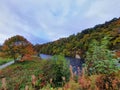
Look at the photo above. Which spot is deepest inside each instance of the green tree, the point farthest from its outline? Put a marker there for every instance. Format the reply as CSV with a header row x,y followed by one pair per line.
x,y
81,40
17,46
100,60
56,68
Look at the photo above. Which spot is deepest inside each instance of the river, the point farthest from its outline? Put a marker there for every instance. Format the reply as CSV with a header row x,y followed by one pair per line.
x,y
73,61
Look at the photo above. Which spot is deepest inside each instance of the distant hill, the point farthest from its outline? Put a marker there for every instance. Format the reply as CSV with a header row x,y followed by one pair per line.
x,y
79,43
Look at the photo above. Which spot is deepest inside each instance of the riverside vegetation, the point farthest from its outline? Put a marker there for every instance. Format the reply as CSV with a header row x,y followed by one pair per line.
x,y
4,60
100,71
79,43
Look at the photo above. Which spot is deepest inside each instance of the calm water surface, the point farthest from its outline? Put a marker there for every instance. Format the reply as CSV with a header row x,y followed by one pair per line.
x,y
73,61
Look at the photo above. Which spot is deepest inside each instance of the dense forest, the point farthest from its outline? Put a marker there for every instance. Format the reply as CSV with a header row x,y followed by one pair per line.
x,y
79,43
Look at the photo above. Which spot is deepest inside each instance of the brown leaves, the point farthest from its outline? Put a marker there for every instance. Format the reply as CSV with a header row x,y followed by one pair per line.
x,y
33,80
71,72
118,53
104,82
26,87
17,46
4,84
84,81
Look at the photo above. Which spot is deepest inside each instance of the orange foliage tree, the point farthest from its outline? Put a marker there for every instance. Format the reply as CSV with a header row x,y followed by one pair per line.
x,y
17,46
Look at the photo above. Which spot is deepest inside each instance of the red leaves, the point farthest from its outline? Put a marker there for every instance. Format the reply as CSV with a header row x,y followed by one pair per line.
x,y
118,53
26,57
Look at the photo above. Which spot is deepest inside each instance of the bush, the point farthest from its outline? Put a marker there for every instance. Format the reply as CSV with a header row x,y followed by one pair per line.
x,y
108,82
100,60
57,70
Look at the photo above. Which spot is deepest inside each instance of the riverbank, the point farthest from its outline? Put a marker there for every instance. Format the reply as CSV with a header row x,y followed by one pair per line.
x,y
42,71
6,64
4,60
20,75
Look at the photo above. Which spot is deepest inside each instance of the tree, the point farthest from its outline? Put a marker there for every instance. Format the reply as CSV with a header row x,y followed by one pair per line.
x,y
17,46
81,40
56,68
0,48
100,60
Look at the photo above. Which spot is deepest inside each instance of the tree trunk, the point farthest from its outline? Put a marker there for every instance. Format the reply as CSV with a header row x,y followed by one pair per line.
x,y
15,59
22,56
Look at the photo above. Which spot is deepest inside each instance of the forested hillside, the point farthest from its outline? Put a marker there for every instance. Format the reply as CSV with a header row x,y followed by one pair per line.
x,y
79,43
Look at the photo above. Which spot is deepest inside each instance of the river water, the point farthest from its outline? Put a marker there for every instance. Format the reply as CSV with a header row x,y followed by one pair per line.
x,y
73,61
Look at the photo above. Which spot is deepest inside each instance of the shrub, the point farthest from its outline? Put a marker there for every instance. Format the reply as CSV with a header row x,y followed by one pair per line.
x,y
108,82
56,68
100,60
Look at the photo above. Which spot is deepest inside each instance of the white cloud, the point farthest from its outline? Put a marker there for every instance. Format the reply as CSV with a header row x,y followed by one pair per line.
x,y
52,19
104,9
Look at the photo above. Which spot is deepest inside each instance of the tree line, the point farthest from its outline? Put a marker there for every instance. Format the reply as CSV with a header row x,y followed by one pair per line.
x,y
79,43
18,46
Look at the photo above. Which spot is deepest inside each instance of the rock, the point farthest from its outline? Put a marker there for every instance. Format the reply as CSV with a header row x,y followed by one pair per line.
x,y
77,56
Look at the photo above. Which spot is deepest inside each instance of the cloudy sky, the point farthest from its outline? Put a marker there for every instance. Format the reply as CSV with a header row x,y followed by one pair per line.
x,y
41,21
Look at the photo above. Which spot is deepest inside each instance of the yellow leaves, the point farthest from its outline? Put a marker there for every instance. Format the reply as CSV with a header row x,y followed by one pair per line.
x,y
117,40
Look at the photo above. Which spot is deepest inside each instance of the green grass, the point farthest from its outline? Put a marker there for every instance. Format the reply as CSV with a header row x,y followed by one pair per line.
x,y
20,73
4,60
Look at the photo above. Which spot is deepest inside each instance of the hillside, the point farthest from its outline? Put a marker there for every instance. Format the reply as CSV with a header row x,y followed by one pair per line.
x,y
79,43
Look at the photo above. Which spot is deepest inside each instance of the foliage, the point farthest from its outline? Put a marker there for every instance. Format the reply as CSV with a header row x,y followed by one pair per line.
x,y
45,70
20,73
4,60
118,53
0,48
100,60
17,46
79,42
108,82
56,68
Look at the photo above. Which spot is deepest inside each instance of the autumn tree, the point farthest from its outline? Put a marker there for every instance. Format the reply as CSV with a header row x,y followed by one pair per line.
x,y
17,46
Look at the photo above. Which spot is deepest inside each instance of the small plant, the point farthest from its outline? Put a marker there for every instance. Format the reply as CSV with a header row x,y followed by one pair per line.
x,y
34,80
84,81
54,71
4,84
71,72
107,82
26,87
